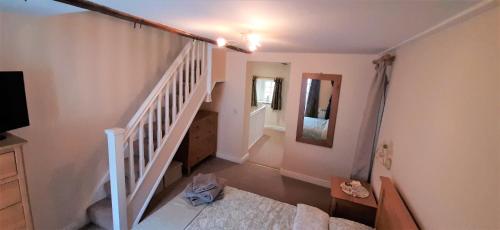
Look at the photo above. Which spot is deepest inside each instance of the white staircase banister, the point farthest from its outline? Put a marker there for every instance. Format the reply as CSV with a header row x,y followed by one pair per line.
x,y
117,177
157,90
164,116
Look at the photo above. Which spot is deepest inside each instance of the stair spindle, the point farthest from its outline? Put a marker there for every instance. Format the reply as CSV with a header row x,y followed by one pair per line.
x,y
131,162
167,108
158,122
141,148
203,57
181,88
187,73
198,62
191,73
150,135
174,100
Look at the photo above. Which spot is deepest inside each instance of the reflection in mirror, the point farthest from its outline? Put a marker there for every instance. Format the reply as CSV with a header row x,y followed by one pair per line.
x,y
317,115
316,110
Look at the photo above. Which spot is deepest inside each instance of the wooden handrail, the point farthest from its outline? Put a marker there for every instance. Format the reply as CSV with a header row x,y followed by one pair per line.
x,y
141,21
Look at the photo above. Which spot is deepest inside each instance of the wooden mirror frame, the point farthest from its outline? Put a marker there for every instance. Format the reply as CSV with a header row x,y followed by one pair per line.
x,y
337,79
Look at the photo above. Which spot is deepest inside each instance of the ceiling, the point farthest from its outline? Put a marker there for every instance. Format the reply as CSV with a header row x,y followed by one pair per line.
x,y
327,26
37,7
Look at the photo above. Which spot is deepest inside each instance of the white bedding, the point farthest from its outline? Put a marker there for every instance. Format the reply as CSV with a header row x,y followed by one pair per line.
x,y
343,224
240,210
315,128
310,218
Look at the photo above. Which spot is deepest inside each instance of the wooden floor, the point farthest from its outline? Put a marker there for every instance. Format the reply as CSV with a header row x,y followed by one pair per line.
x,y
254,178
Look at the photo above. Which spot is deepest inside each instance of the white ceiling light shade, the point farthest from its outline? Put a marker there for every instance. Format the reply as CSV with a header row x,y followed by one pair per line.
x,y
221,42
252,47
254,39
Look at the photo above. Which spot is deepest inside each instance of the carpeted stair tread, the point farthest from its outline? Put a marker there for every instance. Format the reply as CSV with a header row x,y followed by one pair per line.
x,y
100,213
107,185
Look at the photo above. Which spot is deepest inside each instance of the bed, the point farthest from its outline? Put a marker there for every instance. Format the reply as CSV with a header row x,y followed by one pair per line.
x,y
315,128
244,210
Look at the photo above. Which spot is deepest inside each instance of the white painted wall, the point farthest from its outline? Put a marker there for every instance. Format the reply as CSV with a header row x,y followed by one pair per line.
x,y
84,72
218,64
357,73
233,105
442,118
228,98
274,118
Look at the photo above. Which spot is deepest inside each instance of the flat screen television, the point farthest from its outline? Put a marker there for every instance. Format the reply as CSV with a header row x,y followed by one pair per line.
x,y
14,111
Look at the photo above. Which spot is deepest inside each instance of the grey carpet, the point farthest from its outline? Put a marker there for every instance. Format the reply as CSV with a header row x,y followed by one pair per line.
x,y
254,178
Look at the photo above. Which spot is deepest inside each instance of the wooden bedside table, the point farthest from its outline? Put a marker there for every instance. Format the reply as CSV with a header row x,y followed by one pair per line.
x,y
362,210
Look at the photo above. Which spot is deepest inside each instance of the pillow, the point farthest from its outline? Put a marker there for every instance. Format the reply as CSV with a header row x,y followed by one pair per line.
x,y
310,218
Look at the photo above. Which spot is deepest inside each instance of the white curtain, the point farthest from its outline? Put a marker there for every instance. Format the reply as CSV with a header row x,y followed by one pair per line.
x,y
372,117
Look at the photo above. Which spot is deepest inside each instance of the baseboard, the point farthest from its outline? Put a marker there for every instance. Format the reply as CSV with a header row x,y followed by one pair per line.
x,y
233,158
305,178
275,127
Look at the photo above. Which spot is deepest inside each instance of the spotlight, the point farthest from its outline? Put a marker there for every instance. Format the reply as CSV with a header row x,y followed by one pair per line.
x,y
221,42
252,47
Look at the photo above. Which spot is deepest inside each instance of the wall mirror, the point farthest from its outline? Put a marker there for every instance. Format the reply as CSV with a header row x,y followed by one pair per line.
x,y
319,100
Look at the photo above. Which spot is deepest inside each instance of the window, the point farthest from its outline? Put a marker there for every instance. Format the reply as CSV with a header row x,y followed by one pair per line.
x,y
265,89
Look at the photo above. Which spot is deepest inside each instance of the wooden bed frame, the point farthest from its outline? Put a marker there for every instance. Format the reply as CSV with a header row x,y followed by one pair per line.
x,y
392,213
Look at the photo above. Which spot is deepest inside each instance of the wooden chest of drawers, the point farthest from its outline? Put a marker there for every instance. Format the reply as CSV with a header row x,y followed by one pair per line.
x,y
200,141
14,204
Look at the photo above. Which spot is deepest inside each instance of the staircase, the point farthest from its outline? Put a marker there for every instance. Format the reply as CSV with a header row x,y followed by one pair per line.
x,y
140,153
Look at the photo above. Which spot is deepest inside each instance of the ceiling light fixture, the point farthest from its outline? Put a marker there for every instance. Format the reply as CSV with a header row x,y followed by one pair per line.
x,y
252,47
252,40
221,42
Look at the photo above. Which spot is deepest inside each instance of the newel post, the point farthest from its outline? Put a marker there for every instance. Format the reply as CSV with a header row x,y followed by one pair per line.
x,y
209,73
116,160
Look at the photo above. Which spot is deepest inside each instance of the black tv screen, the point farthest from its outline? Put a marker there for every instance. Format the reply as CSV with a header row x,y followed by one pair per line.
x,y
14,111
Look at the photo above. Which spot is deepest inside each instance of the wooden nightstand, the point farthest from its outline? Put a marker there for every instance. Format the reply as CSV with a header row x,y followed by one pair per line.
x,y
362,210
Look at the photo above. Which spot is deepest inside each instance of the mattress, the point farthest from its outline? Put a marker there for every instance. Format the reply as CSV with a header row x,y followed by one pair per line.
x,y
237,210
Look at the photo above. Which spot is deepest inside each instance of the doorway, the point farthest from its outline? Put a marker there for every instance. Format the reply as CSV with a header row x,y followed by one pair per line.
x,y
266,137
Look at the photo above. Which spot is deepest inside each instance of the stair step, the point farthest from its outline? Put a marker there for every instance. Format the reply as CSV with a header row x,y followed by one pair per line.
x,y
91,226
100,213
107,185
